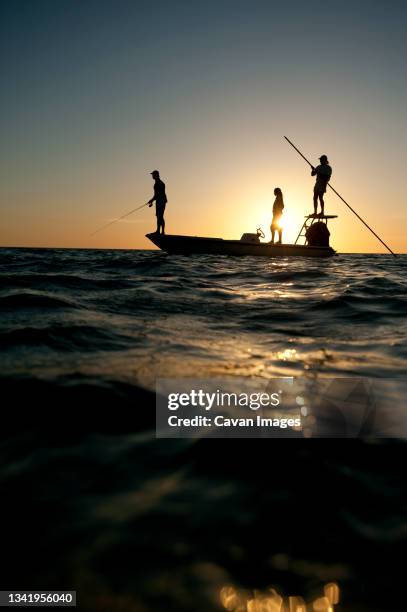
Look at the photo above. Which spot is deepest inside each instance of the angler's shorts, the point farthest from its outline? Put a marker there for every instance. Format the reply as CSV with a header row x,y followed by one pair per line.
x,y
320,188
159,211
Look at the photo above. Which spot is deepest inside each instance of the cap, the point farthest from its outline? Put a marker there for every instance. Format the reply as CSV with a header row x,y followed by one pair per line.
x,y
323,158
154,173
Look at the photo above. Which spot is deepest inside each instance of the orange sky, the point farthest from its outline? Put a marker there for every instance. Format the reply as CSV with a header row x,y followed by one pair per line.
x,y
235,195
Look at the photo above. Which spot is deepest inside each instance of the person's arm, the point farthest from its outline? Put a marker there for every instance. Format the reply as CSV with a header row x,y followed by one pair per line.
x,y
154,196
313,171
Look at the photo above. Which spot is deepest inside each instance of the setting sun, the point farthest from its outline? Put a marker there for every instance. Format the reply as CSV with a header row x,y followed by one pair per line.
x,y
290,221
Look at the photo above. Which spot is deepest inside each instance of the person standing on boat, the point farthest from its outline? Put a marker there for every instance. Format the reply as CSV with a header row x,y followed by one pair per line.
x,y
323,173
277,212
160,199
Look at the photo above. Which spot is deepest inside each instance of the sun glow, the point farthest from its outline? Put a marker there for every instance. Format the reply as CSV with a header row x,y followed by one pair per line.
x,y
290,223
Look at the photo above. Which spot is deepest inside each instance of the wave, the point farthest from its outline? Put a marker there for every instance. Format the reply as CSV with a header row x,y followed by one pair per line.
x,y
62,281
69,337
84,301
27,300
359,306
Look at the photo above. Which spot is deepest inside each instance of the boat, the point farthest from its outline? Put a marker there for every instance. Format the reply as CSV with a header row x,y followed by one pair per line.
x,y
314,230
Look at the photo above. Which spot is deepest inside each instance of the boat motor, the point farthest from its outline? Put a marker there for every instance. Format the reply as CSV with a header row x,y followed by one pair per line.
x,y
318,234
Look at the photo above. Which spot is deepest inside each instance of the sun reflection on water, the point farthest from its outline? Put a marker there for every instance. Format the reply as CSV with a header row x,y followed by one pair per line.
x,y
270,601
287,355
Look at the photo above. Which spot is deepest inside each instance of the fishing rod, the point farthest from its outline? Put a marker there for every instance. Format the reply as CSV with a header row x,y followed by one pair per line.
x,y
119,218
344,201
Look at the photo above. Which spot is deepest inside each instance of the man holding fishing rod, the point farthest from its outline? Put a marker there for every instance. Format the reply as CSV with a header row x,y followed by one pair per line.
x,y
160,201
323,173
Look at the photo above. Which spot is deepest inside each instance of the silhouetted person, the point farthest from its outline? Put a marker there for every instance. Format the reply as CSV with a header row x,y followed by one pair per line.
x,y
160,201
323,173
277,212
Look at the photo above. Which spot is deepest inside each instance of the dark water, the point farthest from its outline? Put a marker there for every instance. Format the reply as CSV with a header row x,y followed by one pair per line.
x,y
92,501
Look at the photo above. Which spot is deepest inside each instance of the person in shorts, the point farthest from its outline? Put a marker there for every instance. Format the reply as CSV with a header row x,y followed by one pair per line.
x,y
160,200
323,172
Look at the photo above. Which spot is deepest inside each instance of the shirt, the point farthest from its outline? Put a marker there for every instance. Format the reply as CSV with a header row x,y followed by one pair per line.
x,y
278,206
159,192
324,173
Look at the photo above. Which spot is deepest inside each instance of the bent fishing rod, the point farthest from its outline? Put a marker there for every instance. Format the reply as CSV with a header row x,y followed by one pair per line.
x,y
344,201
119,218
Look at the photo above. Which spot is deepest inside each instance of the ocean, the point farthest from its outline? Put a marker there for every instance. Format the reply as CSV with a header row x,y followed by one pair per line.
x,y
92,501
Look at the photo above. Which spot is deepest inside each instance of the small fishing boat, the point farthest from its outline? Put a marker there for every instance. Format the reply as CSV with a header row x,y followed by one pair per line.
x,y
314,230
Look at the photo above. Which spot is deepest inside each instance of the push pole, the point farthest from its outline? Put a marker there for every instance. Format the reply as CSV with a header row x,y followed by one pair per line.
x,y
344,201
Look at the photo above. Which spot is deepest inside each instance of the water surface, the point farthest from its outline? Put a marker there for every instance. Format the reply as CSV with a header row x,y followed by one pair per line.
x,y
98,504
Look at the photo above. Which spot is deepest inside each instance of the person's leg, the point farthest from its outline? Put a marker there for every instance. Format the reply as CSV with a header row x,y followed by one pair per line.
x,y
273,230
161,218
272,235
159,213
280,236
321,199
315,202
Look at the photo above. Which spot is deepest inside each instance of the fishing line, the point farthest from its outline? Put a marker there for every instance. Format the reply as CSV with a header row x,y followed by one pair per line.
x,y
119,218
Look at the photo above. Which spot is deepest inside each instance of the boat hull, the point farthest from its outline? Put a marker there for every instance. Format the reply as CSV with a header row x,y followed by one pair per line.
x,y
190,245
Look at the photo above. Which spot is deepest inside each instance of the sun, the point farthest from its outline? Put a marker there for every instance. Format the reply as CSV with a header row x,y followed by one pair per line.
x,y
289,223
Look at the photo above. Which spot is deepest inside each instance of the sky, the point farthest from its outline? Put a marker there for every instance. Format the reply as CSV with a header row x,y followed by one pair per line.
x,y
96,94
